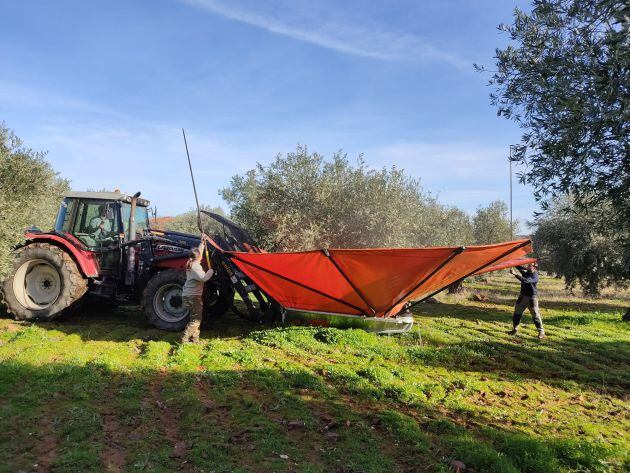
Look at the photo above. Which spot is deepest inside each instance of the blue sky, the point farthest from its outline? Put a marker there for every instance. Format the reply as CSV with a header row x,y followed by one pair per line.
x,y
106,87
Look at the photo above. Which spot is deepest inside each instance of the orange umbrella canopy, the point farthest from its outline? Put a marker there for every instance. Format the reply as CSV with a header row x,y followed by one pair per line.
x,y
371,282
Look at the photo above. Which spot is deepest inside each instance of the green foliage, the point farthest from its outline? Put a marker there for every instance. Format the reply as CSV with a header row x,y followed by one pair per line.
x,y
564,79
582,455
188,221
576,246
491,224
30,192
300,201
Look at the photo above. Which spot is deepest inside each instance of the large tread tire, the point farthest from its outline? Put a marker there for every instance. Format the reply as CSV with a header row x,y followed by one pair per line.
x,y
153,302
218,299
73,285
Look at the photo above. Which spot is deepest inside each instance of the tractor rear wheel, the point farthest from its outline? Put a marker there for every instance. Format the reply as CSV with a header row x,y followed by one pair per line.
x,y
218,298
43,282
163,304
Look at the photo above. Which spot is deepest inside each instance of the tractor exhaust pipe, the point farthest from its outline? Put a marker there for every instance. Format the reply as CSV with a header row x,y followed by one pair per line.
x,y
132,217
131,250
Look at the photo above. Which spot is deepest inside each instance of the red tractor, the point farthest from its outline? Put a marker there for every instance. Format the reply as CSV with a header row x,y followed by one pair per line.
x,y
102,246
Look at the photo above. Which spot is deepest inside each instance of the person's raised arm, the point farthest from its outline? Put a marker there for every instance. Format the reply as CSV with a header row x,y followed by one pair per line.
x,y
530,279
196,272
208,275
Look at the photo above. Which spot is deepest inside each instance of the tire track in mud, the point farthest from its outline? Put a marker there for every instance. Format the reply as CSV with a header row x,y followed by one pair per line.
x,y
114,454
46,449
169,417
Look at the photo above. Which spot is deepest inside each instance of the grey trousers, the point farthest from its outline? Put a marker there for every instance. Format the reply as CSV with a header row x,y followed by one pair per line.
x,y
527,302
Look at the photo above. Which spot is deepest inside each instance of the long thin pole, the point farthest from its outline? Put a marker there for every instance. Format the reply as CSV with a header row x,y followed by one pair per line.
x,y
192,177
511,222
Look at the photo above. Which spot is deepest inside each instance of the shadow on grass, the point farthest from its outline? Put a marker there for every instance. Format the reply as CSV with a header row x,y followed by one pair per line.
x,y
569,306
463,312
244,419
124,323
508,297
598,365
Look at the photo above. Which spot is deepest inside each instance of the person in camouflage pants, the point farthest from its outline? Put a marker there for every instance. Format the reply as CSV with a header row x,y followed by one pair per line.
x,y
192,292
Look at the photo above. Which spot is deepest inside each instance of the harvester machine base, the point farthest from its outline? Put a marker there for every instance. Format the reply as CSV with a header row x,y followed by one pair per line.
x,y
383,325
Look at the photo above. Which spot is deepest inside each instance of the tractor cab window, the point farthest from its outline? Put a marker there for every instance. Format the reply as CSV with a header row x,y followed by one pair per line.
x,y
141,217
96,223
64,217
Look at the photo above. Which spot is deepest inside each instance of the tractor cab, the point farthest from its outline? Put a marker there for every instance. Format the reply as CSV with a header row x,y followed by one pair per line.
x,y
101,221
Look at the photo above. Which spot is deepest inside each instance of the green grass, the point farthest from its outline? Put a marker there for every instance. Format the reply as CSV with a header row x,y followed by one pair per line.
x,y
102,392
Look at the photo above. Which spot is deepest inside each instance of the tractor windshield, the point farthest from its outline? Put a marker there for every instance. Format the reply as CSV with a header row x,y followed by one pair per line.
x,y
142,218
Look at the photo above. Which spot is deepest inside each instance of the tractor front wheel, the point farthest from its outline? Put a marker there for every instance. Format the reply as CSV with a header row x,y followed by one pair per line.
x,y
43,282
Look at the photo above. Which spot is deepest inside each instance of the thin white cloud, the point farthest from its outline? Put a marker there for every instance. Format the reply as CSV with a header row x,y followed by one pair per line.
x,y
336,35
12,93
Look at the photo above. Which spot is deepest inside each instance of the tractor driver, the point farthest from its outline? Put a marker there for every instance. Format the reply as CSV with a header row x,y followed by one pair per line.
x,y
102,225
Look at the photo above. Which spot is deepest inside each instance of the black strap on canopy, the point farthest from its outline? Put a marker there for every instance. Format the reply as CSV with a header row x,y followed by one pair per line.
x,y
483,266
356,289
304,286
455,252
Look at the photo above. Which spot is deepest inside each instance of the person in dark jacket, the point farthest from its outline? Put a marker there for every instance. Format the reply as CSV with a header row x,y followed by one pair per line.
x,y
528,298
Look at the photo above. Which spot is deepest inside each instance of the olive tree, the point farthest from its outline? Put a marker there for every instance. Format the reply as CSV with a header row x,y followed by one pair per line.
x,y
565,79
301,201
188,222
491,224
30,192
574,245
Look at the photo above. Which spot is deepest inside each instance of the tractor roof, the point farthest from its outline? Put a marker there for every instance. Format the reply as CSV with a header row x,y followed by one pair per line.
x,y
116,196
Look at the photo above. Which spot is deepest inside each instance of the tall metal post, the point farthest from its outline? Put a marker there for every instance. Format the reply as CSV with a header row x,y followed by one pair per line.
x,y
511,221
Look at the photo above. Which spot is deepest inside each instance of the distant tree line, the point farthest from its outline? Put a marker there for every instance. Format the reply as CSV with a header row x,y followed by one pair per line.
x,y
188,222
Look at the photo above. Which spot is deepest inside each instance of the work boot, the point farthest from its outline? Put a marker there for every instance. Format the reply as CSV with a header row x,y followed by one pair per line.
x,y
541,334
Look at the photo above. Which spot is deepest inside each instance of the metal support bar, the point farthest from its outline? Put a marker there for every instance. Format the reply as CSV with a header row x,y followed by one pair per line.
x,y
356,289
483,266
455,252
233,255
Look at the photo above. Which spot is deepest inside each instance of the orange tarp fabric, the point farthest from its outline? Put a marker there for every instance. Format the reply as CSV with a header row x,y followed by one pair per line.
x,y
372,282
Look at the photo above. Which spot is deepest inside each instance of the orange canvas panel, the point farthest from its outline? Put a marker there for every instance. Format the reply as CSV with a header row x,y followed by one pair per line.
x,y
284,276
385,276
370,281
507,264
472,260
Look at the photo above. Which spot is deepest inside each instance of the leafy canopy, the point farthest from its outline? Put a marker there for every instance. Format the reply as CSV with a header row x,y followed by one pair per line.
x,y
300,201
565,78
491,224
30,192
576,246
